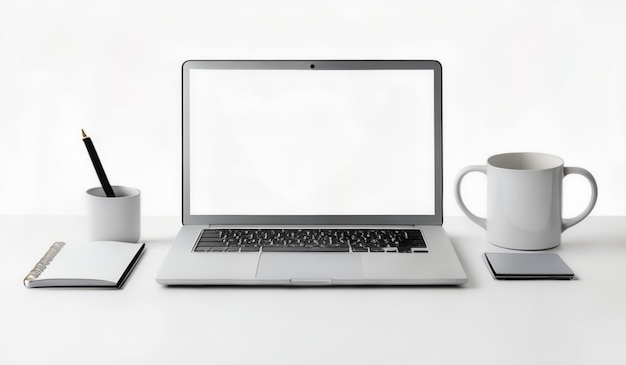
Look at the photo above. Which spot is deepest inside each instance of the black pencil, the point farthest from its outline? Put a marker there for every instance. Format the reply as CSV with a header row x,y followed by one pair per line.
x,y
108,190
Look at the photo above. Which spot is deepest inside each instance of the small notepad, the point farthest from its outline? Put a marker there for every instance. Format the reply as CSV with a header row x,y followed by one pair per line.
x,y
506,265
105,264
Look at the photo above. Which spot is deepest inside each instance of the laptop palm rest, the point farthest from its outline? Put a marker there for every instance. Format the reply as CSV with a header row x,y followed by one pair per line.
x,y
309,268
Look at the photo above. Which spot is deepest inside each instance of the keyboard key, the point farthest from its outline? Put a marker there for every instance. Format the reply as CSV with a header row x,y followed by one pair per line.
x,y
210,244
250,249
359,249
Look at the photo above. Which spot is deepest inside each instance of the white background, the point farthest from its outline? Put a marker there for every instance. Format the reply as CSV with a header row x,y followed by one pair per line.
x,y
545,76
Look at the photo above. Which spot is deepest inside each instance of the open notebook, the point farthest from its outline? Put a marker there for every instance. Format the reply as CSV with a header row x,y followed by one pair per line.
x,y
89,264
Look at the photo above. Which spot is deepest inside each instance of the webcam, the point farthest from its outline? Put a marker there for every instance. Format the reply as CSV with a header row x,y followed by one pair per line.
x,y
312,66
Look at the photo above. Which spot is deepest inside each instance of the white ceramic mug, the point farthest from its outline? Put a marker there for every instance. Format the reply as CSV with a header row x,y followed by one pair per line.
x,y
524,200
114,219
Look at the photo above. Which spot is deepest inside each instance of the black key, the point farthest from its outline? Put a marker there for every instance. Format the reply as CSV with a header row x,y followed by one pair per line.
x,y
413,243
359,249
209,241
210,244
210,238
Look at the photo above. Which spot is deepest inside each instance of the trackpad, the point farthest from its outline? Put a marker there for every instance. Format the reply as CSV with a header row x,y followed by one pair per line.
x,y
319,265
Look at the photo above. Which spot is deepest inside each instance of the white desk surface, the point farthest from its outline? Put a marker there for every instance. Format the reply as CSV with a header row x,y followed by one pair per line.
x,y
485,322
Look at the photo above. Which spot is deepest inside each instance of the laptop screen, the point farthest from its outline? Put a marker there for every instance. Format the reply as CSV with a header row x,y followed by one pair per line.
x,y
294,141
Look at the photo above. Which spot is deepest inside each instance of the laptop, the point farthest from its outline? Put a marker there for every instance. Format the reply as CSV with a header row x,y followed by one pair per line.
x,y
311,173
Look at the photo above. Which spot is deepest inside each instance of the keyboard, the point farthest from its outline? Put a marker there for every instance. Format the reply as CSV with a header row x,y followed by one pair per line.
x,y
311,240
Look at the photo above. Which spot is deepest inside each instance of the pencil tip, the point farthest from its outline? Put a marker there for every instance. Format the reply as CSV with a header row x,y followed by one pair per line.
x,y
83,132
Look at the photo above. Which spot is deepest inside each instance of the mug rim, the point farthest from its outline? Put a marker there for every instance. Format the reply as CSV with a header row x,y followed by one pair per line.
x,y
525,161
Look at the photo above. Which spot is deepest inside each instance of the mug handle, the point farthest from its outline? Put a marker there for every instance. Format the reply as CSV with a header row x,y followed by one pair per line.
x,y
457,193
567,223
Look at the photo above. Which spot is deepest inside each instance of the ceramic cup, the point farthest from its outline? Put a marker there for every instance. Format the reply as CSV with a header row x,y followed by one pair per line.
x,y
524,200
114,219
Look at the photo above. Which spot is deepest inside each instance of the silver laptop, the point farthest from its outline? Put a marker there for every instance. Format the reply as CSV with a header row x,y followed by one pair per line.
x,y
311,173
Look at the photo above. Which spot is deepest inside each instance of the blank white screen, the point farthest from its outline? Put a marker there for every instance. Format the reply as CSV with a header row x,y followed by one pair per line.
x,y
311,142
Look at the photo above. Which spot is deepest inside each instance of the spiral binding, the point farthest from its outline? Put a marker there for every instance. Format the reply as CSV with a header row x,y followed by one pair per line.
x,y
44,262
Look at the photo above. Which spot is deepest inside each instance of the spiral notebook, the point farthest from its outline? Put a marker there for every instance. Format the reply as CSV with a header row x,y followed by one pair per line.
x,y
98,264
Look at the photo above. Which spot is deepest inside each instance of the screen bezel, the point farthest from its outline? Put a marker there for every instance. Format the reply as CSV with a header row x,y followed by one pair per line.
x,y
313,65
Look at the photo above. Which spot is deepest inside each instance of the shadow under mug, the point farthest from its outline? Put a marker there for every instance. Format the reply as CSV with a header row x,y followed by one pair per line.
x,y
524,199
114,218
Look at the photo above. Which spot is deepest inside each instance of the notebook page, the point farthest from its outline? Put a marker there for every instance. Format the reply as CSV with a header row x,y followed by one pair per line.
x,y
100,260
